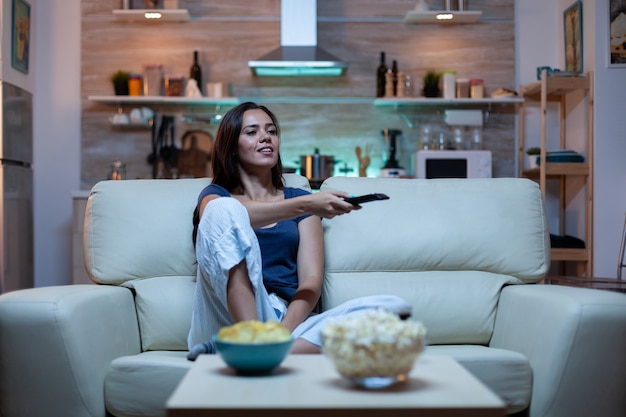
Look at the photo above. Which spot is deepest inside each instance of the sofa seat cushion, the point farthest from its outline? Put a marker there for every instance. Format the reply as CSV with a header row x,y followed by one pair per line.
x,y
139,385
457,307
507,373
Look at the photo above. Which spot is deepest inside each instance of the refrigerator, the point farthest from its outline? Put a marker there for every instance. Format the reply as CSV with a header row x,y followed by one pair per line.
x,y
16,189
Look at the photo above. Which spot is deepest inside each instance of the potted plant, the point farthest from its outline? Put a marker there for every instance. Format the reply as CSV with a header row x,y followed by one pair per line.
x,y
431,84
120,82
533,156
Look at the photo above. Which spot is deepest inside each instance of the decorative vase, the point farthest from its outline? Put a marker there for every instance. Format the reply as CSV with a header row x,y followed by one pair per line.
x,y
532,161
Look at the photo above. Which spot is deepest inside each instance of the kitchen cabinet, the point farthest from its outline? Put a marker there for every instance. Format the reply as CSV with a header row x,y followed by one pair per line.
x,y
572,177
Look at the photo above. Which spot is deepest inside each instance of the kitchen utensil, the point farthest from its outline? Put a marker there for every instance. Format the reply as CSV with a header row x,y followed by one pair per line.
x,y
164,154
392,168
317,167
195,154
364,161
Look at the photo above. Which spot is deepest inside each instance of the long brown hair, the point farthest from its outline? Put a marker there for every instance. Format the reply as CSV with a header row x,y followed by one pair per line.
x,y
225,158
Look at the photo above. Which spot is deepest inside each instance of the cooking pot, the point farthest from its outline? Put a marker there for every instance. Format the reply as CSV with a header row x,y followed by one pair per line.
x,y
317,167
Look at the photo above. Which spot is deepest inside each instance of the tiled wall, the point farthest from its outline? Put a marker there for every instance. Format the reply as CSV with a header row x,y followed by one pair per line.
x,y
229,33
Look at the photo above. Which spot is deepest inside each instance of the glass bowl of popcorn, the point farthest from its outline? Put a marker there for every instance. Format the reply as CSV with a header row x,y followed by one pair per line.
x,y
374,348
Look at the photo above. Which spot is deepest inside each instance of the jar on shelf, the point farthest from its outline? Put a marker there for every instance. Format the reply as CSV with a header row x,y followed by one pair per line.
x,y
152,80
462,88
174,85
459,138
449,84
134,84
477,139
477,88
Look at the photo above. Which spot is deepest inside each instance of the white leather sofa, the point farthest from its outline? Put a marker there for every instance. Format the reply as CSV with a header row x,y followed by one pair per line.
x,y
467,254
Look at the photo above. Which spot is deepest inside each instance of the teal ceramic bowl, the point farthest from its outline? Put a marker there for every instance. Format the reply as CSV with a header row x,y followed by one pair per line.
x,y
253,358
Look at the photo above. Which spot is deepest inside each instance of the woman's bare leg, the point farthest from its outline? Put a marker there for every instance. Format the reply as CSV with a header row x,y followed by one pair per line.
x,y
240,294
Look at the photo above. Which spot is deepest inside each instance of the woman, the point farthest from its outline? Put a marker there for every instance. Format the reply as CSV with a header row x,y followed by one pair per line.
x,y
259,245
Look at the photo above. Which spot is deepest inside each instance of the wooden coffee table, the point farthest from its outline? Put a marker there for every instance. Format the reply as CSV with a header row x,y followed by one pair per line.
x,y
308,385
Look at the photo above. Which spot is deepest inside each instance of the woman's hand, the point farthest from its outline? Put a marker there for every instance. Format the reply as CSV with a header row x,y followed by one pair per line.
x,y
328,204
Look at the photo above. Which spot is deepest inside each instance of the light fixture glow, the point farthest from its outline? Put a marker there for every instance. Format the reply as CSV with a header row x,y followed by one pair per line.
x,y
152,15
445,16
297,71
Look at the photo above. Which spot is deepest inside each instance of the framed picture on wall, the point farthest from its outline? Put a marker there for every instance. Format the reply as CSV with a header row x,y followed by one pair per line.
x,y
617,33
573,28
20,38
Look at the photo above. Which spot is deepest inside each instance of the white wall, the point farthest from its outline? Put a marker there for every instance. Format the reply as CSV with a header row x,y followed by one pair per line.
x,y
8,73
610,149
539,42
57,136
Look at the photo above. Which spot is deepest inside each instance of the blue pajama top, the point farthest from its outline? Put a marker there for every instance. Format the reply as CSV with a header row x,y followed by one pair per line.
x,y
279,246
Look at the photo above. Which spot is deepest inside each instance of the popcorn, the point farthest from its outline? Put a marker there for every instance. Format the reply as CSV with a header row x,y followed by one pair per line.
x,y
375,343
253,331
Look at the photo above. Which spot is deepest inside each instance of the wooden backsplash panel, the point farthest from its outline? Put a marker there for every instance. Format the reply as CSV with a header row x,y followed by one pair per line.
x,y
229,33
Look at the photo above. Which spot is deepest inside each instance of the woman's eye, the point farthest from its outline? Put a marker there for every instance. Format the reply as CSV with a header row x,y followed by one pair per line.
x,y
271,132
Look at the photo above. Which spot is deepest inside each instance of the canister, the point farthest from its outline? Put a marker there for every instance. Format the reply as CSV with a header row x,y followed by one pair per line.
x,y
174,85
152,79
134,84
462,88
477,88
449,84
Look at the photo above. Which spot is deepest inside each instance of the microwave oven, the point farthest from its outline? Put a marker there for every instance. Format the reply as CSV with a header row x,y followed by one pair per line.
x,y
453,164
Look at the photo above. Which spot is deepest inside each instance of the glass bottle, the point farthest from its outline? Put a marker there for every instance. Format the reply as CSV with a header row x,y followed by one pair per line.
x,y
394,72
477,139
380,76
195,73
459,144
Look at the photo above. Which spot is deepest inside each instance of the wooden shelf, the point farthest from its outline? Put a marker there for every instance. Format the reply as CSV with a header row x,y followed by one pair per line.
x,y
572,176
566,254
554,169
557,87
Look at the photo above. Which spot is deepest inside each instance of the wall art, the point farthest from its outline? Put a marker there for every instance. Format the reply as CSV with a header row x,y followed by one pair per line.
x,y
573,28
20,42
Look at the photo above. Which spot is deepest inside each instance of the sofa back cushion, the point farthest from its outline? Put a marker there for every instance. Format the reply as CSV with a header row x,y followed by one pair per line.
x,y
137,233
447,246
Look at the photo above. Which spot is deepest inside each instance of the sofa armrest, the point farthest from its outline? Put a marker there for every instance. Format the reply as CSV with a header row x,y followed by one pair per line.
x,y
56,344
576,343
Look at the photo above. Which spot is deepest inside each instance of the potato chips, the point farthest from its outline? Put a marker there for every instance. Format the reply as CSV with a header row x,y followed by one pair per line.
x,y
253,331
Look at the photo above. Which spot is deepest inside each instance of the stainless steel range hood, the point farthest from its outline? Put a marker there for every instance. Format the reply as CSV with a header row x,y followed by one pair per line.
x,y
298,54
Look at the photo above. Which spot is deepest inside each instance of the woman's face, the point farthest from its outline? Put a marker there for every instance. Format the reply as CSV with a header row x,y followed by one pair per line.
x,y
258,141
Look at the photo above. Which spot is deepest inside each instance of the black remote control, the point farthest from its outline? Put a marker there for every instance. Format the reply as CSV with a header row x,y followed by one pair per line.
x,y
366,198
